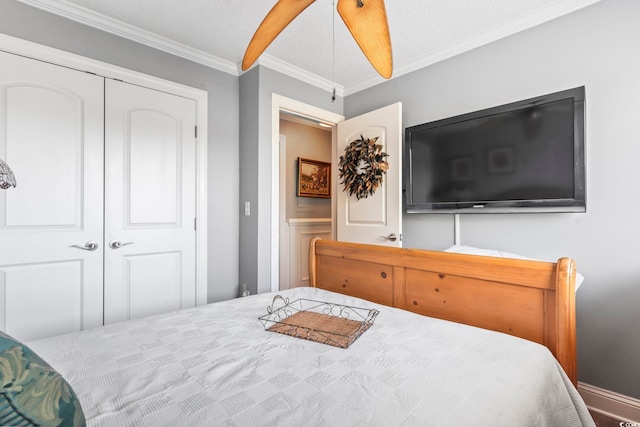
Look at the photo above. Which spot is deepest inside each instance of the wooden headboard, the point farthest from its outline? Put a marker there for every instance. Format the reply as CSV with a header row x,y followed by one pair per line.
x,y
534,300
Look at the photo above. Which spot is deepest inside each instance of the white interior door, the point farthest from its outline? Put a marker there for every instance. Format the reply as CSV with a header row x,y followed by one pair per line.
x,y
378,218
150,153
51,135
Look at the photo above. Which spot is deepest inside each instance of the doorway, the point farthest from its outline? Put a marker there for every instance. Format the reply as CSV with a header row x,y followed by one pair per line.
x,y
280,106
304,214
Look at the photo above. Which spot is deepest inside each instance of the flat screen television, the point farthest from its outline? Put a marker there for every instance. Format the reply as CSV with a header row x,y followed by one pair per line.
x,y
526,156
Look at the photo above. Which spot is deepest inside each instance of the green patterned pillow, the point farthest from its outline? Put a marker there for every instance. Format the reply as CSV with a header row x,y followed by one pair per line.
x,y
32,393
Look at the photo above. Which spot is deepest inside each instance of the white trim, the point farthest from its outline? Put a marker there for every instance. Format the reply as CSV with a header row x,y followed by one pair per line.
x,y
88,17
93,19
202,146
278,103
284,250
70,60
299,74
305,221
609,403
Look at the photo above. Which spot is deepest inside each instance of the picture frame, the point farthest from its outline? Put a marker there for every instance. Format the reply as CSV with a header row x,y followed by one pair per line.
x,y
314,178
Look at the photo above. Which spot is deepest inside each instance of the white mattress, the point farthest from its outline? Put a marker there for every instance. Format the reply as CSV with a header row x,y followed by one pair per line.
x,y
216,365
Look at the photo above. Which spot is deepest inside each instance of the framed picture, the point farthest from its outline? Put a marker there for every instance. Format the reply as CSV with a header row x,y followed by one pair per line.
x,y
500,160
314,178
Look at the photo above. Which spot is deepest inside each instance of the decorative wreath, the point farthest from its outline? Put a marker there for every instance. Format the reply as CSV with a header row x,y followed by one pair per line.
x,y
362,167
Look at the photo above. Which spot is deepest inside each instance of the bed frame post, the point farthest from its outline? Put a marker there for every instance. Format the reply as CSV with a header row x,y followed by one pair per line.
x,y
566,316
313,277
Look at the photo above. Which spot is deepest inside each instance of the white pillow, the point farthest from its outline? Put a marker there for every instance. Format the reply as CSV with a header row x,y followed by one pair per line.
x,y
470,250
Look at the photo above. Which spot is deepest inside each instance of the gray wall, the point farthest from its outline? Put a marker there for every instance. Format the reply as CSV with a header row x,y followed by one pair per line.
x,y
596,47
25,22
249,139
256,91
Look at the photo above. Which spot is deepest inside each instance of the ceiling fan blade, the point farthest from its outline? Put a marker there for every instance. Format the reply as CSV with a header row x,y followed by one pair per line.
x,y
367,22
276,20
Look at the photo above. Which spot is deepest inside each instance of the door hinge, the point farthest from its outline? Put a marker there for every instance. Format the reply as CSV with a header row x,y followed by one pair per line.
x,y
196,131
195,224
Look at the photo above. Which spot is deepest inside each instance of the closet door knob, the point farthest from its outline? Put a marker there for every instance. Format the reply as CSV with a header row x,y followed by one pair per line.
x,y
116,244
391,237
89,246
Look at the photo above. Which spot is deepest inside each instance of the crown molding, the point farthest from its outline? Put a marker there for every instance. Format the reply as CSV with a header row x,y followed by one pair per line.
x,y
299,74
95,20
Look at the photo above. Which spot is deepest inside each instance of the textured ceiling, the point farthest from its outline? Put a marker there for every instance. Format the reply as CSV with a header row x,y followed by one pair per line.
x,y
217,32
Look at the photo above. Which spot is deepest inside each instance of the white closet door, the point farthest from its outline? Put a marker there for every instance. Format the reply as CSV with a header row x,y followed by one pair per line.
x,y
150,152
51,135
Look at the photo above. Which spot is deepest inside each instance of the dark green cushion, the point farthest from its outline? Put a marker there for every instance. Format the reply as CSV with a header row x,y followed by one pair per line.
x,y
32,393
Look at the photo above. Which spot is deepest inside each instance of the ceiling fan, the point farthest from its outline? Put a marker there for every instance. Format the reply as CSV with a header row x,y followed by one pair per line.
x,y
365,19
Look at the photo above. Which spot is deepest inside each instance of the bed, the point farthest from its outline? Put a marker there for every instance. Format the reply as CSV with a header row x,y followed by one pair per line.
x,y
534,300
217,365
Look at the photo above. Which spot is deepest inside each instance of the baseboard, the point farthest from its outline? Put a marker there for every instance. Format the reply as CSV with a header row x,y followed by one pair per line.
x,y
609,403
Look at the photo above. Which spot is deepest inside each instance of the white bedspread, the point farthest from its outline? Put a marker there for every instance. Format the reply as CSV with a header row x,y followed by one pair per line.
x,y
216,365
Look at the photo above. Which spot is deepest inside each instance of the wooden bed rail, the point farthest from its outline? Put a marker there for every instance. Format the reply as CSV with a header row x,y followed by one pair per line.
x,y
533,300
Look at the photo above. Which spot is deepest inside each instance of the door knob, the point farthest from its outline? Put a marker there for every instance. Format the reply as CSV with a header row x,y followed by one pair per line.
x,y
89,246
116,244
392,237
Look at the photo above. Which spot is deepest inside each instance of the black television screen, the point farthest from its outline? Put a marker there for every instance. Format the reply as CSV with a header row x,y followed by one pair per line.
x,y
527,156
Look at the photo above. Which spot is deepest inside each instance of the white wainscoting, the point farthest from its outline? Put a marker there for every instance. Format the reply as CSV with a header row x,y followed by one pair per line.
x,y
301,231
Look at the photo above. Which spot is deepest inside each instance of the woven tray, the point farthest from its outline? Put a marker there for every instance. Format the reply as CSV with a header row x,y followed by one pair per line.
x,y
327,323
